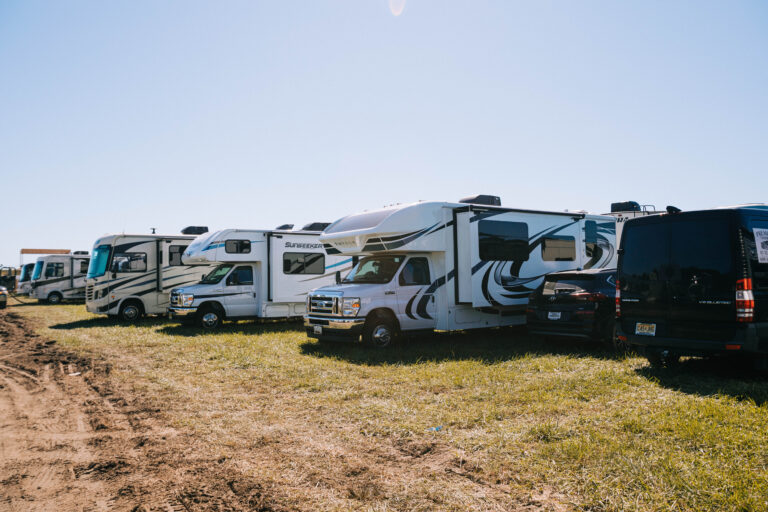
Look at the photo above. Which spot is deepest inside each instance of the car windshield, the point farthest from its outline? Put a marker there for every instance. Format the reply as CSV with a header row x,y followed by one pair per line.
x,y
38,271
99,260
26,275
216,274
375,269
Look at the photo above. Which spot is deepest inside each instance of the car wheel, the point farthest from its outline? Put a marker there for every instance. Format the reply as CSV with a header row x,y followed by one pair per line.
x,y
130,311
209,317
54,298
379,332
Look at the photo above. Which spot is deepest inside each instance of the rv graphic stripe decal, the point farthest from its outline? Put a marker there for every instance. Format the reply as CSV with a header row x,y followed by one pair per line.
x,y
339,263
44,282
421,309
392,242
410,303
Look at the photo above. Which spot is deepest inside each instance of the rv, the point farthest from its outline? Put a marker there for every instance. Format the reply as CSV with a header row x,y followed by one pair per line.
x,y
449,266
695,284
59,277
260,274
24,286
623,211
131,275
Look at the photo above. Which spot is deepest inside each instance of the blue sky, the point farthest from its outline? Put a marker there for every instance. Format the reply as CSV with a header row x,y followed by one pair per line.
x,y
121,116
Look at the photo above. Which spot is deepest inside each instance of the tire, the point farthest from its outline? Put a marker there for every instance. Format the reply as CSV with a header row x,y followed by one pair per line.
x,y
131,311
54,298
210,317
379,331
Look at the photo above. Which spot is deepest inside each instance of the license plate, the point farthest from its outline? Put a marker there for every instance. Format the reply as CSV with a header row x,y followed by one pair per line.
x,y
317,329
645,329
554,315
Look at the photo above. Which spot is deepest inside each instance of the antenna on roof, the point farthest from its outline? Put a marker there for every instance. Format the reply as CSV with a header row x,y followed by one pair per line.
x,y
153,230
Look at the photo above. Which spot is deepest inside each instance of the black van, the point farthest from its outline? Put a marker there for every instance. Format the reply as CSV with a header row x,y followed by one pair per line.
x,y
692,283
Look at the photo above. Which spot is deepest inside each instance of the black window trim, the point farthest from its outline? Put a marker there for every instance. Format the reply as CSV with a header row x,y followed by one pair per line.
x,y
402,269
322,259
562,238
115,255
238,241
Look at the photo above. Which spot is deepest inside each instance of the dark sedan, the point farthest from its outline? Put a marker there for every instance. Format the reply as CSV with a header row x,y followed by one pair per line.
x,y
575,303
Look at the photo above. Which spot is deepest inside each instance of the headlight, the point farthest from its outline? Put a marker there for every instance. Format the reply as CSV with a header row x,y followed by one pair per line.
x,y
350,306
186,300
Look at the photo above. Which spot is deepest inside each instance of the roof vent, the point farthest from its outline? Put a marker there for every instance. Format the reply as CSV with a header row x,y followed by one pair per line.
x,y
285,227
482,199
194,230
316,226
673,209
80,252
625,206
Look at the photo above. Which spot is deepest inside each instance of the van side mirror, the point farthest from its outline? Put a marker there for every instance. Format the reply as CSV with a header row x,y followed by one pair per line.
x,y
338,277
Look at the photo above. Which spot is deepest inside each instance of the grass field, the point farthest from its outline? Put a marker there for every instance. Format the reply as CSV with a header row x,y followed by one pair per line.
x,y
493,420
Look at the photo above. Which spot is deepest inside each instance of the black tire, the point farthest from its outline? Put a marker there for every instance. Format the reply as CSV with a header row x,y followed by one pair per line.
x,y
54,298
131,311
210,317
380,331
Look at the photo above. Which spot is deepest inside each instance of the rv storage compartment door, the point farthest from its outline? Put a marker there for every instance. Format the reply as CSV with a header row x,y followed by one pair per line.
x,y
512,251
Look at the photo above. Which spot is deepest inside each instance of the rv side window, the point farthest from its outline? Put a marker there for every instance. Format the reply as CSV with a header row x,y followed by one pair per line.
x,y
174,255
237,246
415,272
129,262
303,263
83,266
240,276
558,248
503,241
54,270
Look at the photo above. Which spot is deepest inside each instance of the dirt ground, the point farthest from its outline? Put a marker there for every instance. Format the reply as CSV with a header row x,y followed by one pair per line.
x,y
71,440
68,441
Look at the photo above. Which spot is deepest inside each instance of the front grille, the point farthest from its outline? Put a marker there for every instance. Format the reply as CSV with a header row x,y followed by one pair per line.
x,y
322,305
89,292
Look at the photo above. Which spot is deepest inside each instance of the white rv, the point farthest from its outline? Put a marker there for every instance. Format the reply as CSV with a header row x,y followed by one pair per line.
x,y
261,274
59,277
626,210
449,266
24,285
131,275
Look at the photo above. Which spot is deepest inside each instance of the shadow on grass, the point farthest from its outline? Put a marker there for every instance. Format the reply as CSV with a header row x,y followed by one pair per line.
x,y
103,321
241,327
711,377
487,346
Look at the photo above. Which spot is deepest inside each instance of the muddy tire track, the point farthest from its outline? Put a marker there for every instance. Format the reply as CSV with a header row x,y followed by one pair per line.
x,y
69,441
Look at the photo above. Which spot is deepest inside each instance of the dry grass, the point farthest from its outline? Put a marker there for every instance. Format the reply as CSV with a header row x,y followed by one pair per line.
x,y
489,421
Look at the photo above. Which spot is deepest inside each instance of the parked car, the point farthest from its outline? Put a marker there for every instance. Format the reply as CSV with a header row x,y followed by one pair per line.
x,y
575,303
695,284
3,297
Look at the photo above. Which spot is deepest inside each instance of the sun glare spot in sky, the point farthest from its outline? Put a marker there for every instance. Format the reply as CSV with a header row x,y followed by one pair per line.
x,y
397,6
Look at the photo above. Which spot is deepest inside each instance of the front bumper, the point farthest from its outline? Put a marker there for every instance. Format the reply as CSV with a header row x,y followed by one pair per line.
x,y
333,327
178,311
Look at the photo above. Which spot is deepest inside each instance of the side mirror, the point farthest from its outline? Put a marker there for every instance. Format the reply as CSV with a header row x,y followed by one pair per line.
x,y
338,277
114,275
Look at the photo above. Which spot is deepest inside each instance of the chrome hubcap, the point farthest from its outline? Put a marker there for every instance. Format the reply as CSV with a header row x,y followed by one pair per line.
x,y
54,299
210,319
131,312
382,335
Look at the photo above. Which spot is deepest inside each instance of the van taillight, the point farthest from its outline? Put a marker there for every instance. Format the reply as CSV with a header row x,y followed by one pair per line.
x,y
618,299
745,301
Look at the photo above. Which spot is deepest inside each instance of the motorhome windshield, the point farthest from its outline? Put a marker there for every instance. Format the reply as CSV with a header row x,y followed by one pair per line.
x,y
216,274
26,273
38,271
99,261
375,269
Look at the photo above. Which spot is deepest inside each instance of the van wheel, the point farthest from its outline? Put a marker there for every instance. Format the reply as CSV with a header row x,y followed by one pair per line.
x,y
54,298
379,331
210,317
130,311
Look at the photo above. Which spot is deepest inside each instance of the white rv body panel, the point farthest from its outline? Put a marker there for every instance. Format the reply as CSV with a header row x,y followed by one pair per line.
x,y
24,286
59,277
140,268
484,262
281,267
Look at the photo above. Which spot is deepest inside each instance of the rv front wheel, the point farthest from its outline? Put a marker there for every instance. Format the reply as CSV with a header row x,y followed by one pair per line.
x,y
210,318
130,311
379,332
54,298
